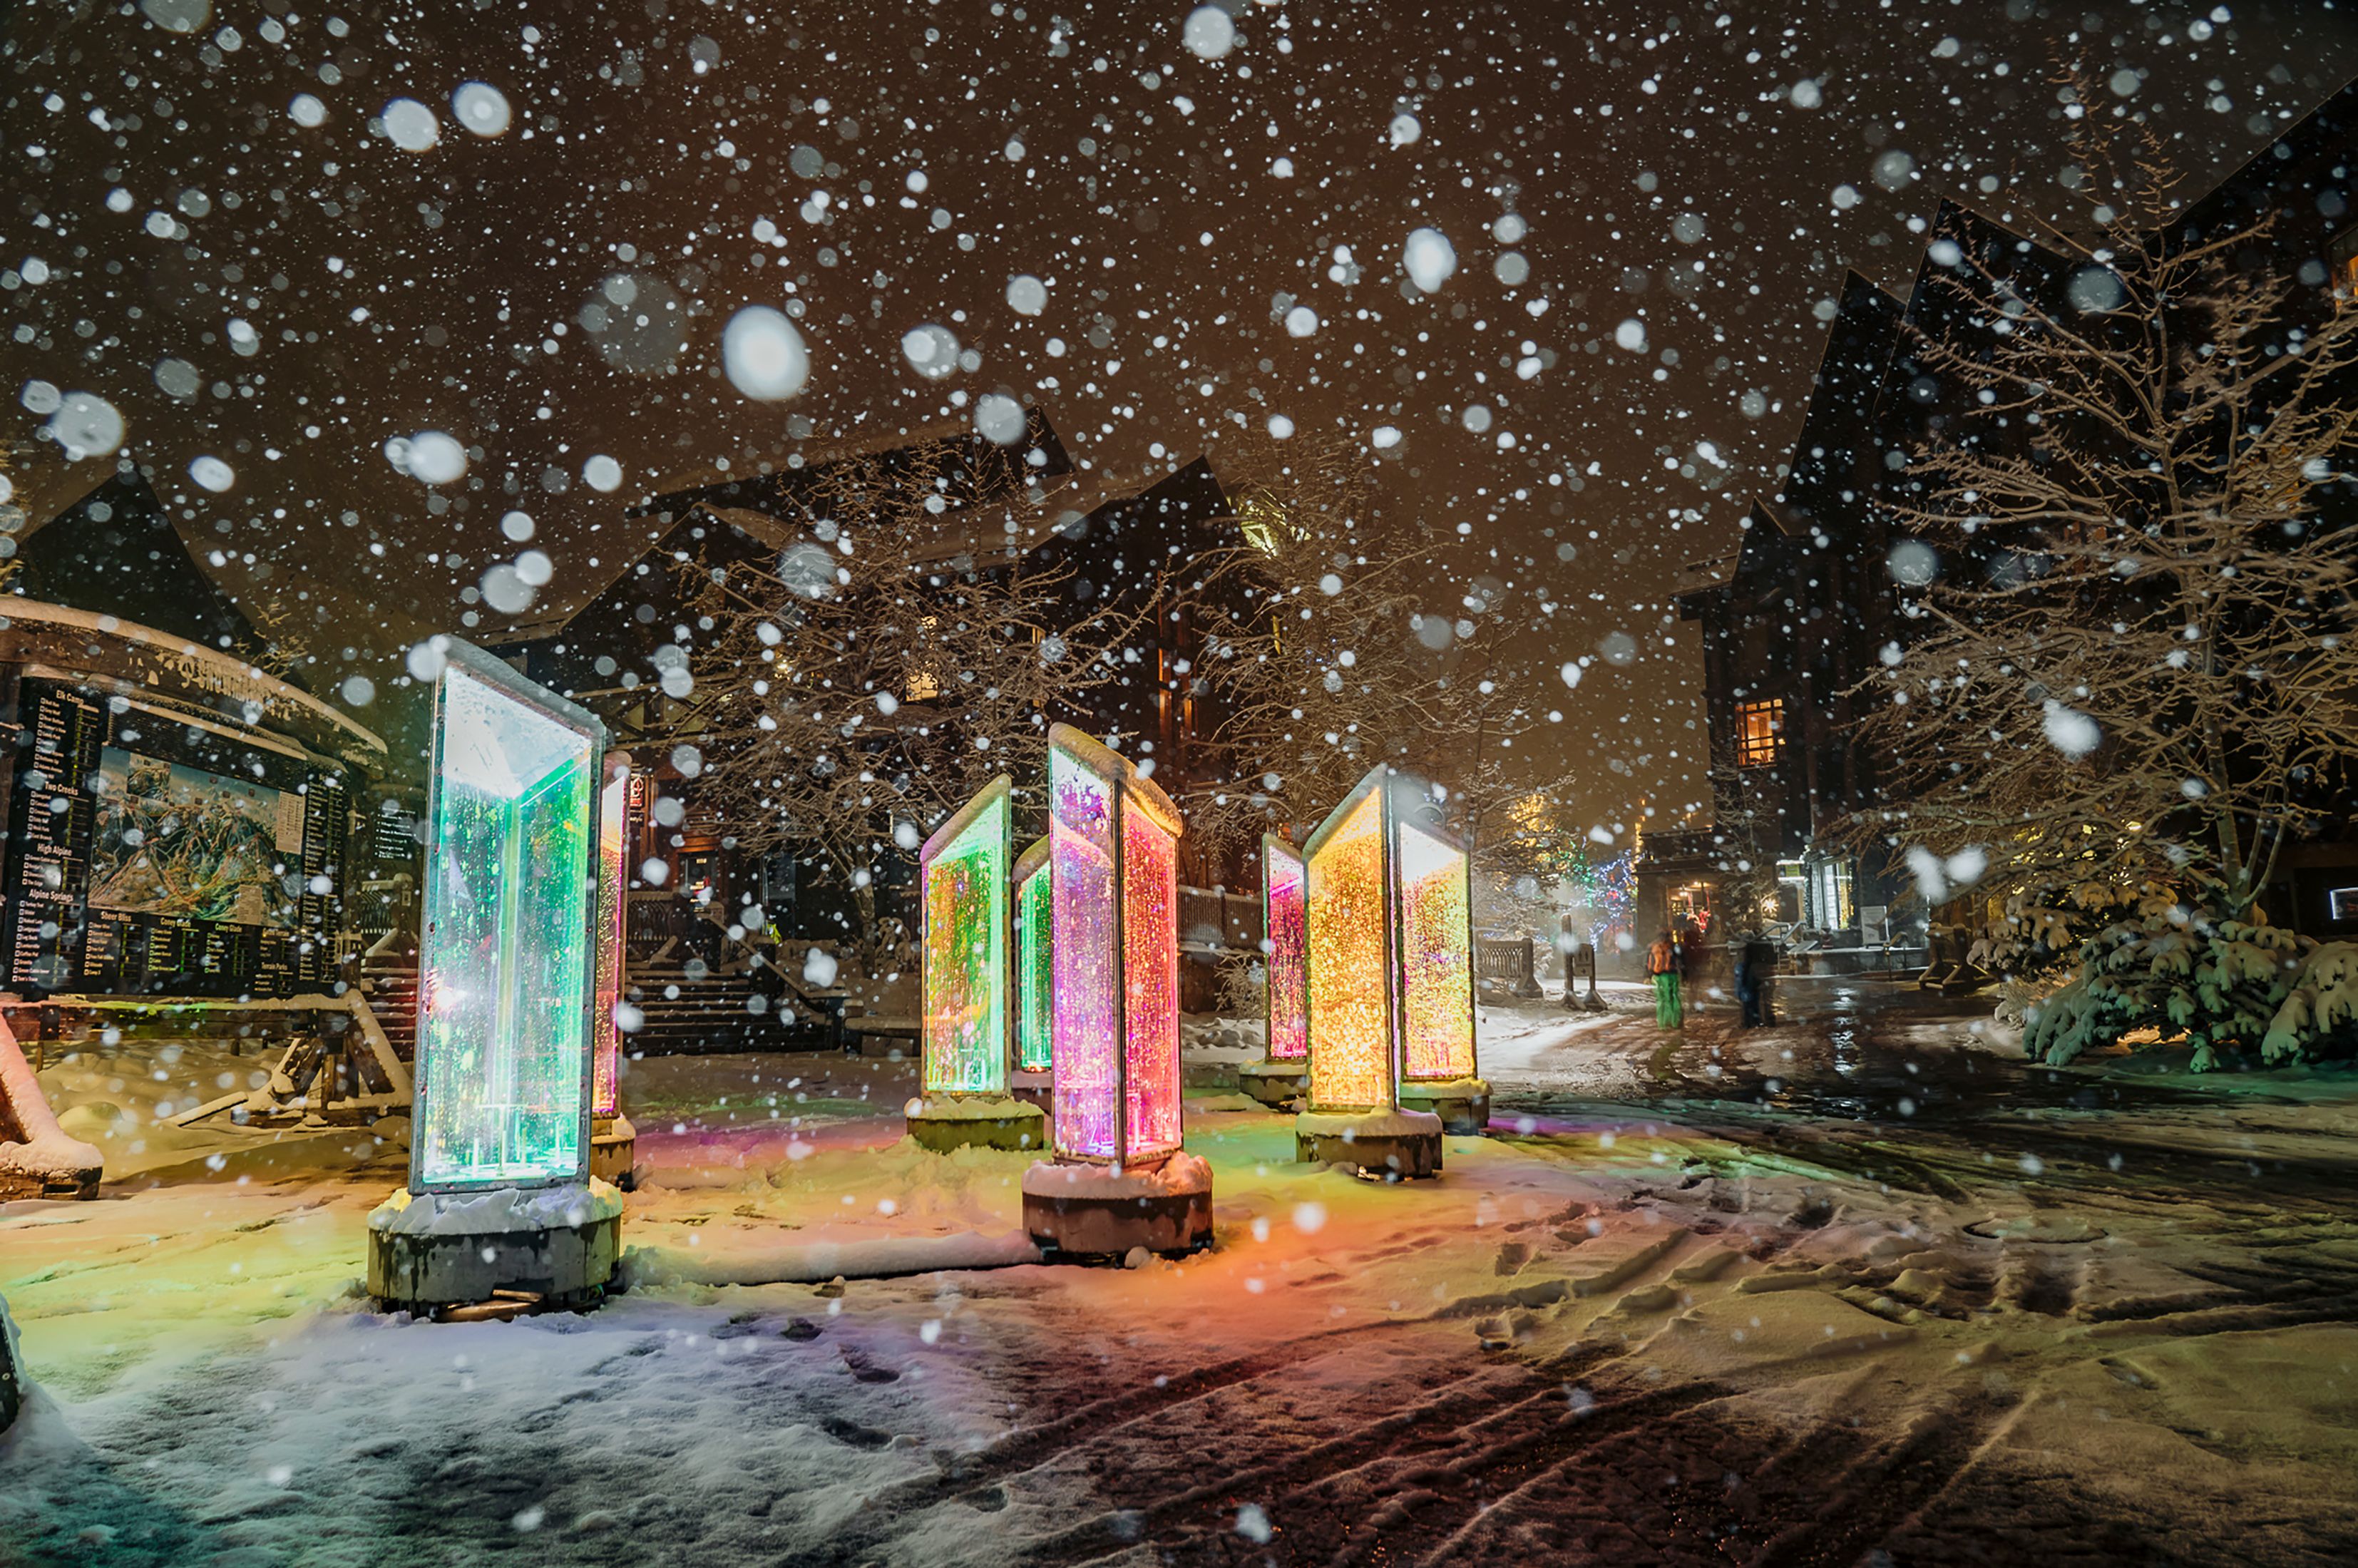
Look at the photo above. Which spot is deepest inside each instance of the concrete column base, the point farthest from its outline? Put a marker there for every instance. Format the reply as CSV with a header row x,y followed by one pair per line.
x,y
442,1250
1463,1103
613,1150
1274,1083
1394,1145
946,1122
1035,1088
1082,1212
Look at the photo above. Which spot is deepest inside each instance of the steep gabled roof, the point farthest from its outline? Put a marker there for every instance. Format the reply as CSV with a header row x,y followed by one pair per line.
x,y
1858,349
115,552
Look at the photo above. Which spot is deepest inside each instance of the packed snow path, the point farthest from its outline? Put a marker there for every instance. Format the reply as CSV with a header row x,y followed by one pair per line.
x,y
1857,1284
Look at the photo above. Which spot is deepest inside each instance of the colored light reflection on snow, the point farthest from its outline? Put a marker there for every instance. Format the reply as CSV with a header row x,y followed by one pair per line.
x,y
613,808
1436,957
963,871
1348,938
1112,854
1283,887
507,954
1034,975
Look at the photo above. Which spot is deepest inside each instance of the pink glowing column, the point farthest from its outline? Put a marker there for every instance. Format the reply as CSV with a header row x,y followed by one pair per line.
x,y
1113,893
1150,973
1283,887
613,808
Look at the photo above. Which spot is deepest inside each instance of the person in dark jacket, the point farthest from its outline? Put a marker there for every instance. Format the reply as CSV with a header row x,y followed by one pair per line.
x,y
1755,959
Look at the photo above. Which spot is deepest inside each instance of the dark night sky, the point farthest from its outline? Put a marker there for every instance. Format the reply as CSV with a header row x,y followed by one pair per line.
x,y
1662,169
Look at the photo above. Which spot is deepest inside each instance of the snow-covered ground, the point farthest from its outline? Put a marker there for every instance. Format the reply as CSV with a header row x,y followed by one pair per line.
x,y
1806,1293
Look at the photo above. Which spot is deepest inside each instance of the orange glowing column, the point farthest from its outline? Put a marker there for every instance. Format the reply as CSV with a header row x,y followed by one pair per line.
x,y
1437,957
1389,944
1348,935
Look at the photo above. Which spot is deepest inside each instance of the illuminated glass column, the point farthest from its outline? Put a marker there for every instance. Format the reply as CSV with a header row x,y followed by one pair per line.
x,y
1281,1076
508,957
963,876
613,1142
1120,1179
1439,1073
1034,977
1380,949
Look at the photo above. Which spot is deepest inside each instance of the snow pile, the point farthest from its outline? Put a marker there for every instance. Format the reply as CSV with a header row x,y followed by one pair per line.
x,y
1182,1175
815,1262
502,1211
36,1154
969,1107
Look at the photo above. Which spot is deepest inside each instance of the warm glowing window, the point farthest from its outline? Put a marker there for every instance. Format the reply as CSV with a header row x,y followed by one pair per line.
x,y
1759,731
925,684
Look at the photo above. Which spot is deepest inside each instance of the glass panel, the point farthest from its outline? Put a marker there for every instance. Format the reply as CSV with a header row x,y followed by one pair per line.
x,y
1036,980
964,972
1283,887
1436,959
1083,960
507,957
605,1086
1150,973
1350,1022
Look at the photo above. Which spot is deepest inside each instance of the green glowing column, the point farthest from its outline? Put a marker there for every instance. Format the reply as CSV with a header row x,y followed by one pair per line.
x,y
508,955
500,1198
1035,980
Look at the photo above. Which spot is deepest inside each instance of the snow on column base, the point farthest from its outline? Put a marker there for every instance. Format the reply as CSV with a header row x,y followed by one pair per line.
x,y
1273,1082
1463,1103
947,1123
1395,1145
1096,1211
439,1249
613,1150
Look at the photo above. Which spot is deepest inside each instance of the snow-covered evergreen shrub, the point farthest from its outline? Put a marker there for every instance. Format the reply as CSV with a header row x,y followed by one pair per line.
x,y
2175,970
1243,985
2319,1017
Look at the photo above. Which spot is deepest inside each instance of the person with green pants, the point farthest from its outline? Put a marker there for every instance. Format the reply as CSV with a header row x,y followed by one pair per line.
x,y
1663,963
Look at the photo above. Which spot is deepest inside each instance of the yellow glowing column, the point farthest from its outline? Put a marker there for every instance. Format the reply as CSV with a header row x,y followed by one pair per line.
x,y
1348,935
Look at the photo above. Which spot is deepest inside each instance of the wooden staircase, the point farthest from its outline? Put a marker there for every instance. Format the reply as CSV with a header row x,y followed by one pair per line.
x,y
686,1009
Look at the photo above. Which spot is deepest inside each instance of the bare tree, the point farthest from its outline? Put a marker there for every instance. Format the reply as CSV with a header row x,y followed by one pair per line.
x,y
2137,659
1334,643
899,651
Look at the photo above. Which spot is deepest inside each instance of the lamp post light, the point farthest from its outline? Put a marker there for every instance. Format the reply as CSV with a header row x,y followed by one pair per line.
x,y
968,1023
613,1142
500,1197
1279,1077
1120,1179
1386,961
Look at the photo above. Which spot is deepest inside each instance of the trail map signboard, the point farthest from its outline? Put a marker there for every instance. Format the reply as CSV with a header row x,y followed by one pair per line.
x,y
151,852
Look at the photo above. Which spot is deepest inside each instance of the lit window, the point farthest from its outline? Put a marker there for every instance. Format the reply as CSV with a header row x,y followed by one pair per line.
x,y
1759,731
